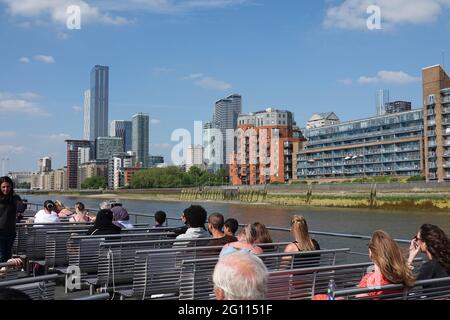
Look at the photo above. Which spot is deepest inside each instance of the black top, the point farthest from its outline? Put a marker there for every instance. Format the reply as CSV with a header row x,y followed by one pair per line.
x,y
8,212
432,270
307,260
103,224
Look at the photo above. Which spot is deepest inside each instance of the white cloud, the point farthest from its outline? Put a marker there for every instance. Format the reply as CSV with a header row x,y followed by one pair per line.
x,y
29,95
7,133
155,121
24,60
206,82
162,70
345,82
56,10
45,59
389,77
22,103
77,108
6,149
352,14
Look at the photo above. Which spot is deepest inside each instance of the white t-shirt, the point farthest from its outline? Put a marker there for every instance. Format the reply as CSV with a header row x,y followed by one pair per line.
x,y
44,217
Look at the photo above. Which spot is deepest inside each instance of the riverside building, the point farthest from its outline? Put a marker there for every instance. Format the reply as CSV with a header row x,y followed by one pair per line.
x,y
391,144
267,142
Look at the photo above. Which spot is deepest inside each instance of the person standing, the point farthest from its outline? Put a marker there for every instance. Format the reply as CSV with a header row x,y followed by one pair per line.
x,y
10,205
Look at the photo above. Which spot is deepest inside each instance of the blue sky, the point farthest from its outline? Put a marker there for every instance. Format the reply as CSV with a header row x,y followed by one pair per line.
x,y
173,59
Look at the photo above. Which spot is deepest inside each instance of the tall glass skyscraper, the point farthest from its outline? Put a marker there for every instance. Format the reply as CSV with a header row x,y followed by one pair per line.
x,y
123,129
96,113
226,113
140,140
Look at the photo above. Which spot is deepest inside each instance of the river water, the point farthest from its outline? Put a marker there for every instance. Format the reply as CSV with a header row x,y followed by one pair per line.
x,y
399,224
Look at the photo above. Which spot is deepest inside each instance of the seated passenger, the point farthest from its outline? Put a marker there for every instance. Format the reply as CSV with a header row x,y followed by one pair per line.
x,y
103,224
81,214
215,226
160,219
47,215
121,217
230,227
432,241
61,210
263,237
246,242
195,219
391,266
302,242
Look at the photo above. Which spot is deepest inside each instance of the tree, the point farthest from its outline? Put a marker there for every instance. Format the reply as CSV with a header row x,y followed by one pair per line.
x,y
98,182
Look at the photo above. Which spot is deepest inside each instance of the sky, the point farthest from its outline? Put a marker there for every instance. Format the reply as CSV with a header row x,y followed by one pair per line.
x,y
173,59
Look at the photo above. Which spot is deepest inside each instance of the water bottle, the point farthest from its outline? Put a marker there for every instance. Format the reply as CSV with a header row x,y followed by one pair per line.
x,y
331,289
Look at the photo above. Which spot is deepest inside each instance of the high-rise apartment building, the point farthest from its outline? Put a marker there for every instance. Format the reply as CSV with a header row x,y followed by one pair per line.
x,y
123,129
96,111
45,164
381,99
226,113
194,157
398,106
140,138
107,146
436,100
73,160
266,143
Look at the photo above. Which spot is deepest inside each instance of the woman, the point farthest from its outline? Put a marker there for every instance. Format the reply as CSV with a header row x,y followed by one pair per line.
x,y
47,215
121,217
432,241
302,242
81,214
391,266
246,242
61,210
262,233
10,206
104,224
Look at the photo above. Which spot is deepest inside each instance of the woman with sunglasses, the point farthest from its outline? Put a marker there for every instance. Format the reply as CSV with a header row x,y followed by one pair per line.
x,y
433,242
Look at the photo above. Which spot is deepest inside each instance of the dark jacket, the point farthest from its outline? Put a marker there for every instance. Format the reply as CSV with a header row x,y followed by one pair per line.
x,y
103,224
8,213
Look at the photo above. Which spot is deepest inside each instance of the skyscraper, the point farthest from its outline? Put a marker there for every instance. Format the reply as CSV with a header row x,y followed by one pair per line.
x,y
72,161
382,98
140,139
87,114
123,129
96,113
226,113
45,164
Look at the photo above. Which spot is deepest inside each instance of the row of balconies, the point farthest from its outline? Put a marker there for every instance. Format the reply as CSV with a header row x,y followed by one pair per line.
x,y
366,153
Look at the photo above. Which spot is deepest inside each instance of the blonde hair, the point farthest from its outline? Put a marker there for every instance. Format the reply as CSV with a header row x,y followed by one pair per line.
x,y
299,228
248,234
387,255
59,205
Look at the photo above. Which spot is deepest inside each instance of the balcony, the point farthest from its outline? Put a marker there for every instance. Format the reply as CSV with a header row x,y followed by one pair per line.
x,y
446,110
431,122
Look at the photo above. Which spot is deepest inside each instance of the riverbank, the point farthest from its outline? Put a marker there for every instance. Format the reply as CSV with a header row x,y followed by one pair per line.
x,y
359,198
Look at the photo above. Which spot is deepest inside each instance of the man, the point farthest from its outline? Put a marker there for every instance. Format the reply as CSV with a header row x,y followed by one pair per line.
x,y
230,227
160,218
195,219
215,227
240,276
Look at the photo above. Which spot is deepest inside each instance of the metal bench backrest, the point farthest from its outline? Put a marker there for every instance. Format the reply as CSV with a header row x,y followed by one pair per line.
x,y
56,254
116,260
25,233
157,272
196,275
37,288
84,250
304,284
435,289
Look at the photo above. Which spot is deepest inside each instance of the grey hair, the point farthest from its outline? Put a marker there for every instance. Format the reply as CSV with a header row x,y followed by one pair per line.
x,y
241,276
248,233
105,205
